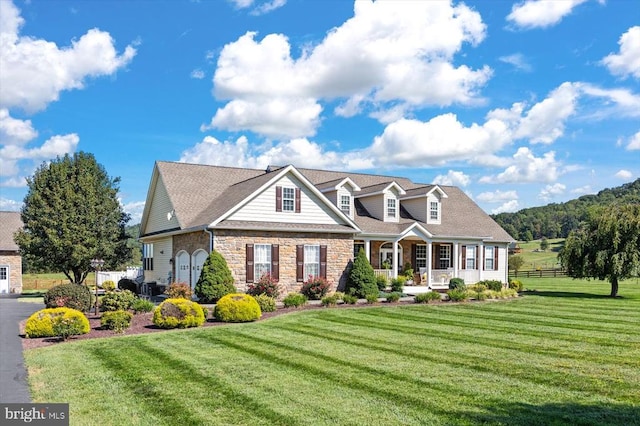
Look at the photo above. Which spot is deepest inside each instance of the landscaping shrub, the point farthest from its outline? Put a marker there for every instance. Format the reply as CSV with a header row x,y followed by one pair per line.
x,y
393,297
266,285
381,282
179,290
507,293
361,280
494,285
128,284
350,299
108,285
237,307
427,297
397,284
516,285
215,279
267,303
41,323
330,300
178,313
142,305
117,321
294,300
74,296
315,288
117,301
457,284
457,295
372,298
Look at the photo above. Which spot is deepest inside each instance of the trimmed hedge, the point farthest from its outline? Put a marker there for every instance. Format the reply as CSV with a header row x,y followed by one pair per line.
x,y
178,313
237,307
74,296
117,301
40,324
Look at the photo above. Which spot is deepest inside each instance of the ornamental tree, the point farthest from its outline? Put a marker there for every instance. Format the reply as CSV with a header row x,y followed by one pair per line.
x,y
361,280
71,214
606,246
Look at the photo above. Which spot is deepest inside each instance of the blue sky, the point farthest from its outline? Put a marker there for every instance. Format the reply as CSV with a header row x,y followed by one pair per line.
x,y
518,103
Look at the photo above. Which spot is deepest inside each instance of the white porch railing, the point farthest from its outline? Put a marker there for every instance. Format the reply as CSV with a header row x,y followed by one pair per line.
x,y
387,273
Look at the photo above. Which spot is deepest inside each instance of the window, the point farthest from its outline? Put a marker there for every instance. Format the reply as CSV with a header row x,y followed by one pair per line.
x,y
345,204
433,210
421,256
445,257
288,199
3,273
147,257
489,257
391,207
261,260
311,261
471,257
357,247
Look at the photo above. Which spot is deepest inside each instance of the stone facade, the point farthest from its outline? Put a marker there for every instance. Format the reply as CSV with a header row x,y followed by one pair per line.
x,y
232,245
14,262
190,243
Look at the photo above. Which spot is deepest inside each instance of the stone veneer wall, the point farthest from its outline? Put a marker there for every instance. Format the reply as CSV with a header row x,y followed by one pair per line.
x,y
232,245
190,243
14,261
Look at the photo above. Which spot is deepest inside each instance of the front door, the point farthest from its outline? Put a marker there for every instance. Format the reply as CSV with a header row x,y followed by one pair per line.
x,y
4,279
386,257
182,268
197,261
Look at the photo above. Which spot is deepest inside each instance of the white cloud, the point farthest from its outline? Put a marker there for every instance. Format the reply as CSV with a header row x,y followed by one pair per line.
x,y
452,178
134,209
551,191
198,74
541,13
268,6
627,62
624,174
35,71
517,60
526,167
14,131
586,189
616,102
10,205
508,207
634,142
497,196
242,4
396,52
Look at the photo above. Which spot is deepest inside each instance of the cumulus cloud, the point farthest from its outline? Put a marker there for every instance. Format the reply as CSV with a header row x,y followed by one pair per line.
x,y
615,102
14,131
452,178
508,207
624,174
396,52
551,191
268,6
541,13
517,60
627,61
35,71
526,167
134,209
497,196
9,205
586,189
198,74
634,142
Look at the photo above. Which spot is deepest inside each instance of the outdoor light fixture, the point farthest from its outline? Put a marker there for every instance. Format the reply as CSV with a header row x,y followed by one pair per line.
x,y
96,264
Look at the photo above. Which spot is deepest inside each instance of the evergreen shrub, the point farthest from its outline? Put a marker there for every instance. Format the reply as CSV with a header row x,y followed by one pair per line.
x,y
393,297
397,284
457,295
108,285
361,280
427,297
117,321
41,323
457,284
128,284
494,285
117,301
381,282
237,307
294,300
267,303
215,279
178,313
69,295
142,305
350,299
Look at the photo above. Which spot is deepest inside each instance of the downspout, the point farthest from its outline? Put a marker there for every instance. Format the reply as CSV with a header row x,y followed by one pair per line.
x,y
210,239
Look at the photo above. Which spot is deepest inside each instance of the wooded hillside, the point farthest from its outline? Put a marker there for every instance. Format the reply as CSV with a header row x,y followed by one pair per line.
x,y
556,220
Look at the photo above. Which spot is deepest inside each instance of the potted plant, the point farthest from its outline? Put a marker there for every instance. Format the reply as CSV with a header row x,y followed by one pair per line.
x,y
408,272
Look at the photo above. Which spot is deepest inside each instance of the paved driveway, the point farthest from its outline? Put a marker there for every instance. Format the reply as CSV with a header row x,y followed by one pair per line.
x,y
13,376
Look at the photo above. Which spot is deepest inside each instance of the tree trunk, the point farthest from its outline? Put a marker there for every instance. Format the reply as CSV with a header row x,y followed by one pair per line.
x,y
614,286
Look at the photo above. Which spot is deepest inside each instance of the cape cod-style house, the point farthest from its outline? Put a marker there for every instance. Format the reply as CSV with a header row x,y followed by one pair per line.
x,y
294,223
10,257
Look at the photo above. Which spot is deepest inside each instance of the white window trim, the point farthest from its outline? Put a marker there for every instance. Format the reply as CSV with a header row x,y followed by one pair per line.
x,y
418,258
388,208
436,210
258,267
310,263
447,250
292,198
489,254
471,258
347,204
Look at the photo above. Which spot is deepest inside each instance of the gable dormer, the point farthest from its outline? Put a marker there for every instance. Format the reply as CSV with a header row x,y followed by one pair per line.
x,y
425,204
382,201
340,192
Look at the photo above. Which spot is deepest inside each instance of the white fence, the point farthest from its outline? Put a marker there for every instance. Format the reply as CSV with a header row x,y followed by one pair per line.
x,y
115,276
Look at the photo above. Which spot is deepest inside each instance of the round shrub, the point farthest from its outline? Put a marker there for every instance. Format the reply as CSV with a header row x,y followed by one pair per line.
x,y
178,313
458,295
237,307
41,323
117,321
108,285
117,301
393,297
494,285
74,296
349,299
331,300
457,284
267,304
516,285
397,284
142,305
315,288
381,282
294,300
128,284
215,279
372,298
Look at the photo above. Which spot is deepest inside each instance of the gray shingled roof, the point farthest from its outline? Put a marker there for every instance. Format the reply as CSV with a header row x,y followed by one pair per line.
x,y
201,194
10,223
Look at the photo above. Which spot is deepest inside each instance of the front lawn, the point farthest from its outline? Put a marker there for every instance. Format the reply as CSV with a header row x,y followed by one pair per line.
x,y
570,357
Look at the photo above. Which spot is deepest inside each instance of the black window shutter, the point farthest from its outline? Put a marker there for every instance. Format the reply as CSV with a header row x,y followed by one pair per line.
x,y
484,257
413,257
299,263
297,200
323,261
249,263
495,258
477,256
464,257
278,198
435,254
275,261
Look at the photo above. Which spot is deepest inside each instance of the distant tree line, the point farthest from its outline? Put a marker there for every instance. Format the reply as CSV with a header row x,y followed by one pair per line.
x,y
557,220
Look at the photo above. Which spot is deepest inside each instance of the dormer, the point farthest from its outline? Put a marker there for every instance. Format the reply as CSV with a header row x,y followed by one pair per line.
x,y
425,203
382,201
340,192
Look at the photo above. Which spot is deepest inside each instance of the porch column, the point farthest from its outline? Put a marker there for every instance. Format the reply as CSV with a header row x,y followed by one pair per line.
x,y
429,260
395,259
455,258
367,249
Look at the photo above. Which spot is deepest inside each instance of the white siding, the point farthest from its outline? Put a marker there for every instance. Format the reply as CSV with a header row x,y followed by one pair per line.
x,y
393,196
374,205
437,199
161,255
416,208
344,191
263,207
160,206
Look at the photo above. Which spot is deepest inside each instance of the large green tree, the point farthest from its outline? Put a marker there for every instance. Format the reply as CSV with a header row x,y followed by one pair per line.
x,y
71,214
606,246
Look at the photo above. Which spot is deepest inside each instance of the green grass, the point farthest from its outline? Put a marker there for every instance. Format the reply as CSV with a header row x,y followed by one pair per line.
x,y
565,354
540,259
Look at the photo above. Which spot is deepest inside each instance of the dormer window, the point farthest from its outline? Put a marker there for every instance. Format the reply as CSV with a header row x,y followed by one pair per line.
x,y
391,207
434,210
345,204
